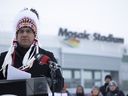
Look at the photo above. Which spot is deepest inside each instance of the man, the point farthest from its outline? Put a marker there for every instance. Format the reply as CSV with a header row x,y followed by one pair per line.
x,y
104,89
25,48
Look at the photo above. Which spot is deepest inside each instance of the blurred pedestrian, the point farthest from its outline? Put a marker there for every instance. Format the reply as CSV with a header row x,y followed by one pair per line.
x,y
95,91
80,91
114,89
105,88
65,90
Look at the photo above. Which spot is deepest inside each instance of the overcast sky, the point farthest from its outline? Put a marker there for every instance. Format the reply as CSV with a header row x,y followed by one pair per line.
x,y
101,16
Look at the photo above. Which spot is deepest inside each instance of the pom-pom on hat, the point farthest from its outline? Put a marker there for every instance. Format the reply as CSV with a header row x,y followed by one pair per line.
x,y
27,18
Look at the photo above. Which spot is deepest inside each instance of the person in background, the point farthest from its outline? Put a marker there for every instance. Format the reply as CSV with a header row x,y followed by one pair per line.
x,y
95,91
114,89
24,49
104,89
65,90
80,91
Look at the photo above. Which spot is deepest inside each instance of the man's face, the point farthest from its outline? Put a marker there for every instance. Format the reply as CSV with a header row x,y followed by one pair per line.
x,y
107,80
25,37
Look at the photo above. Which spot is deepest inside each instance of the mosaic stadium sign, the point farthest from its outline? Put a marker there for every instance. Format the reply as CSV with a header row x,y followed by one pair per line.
x,y
84,35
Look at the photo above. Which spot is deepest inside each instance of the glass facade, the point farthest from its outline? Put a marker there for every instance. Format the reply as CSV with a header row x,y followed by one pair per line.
x,y
90,77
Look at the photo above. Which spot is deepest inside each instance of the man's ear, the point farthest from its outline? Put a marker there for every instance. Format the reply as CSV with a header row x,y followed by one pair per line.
x,y
35,33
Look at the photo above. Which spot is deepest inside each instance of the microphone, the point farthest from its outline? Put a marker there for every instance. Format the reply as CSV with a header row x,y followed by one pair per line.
x,y
44,60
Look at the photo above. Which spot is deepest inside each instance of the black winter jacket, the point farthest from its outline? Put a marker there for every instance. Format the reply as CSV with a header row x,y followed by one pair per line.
x,y
104,89
37,70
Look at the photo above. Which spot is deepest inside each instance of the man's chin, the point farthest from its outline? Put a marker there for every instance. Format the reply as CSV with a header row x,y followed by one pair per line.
x,y
25,45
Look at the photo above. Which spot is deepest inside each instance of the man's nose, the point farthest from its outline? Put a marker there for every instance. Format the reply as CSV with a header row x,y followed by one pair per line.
x,y
24,33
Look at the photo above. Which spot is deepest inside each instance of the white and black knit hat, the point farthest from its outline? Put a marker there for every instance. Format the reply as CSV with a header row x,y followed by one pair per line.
x,y
27,18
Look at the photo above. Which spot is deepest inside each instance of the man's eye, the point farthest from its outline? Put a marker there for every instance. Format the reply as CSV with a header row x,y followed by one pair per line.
x,y
21,31
28,31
